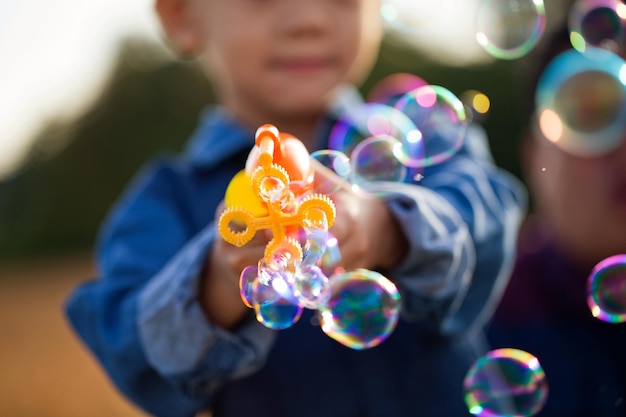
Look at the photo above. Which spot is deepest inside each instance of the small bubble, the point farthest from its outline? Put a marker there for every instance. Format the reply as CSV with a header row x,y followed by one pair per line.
x,y
607,290
509,29
505,382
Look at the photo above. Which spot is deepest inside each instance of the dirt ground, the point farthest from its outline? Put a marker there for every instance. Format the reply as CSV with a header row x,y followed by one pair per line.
x,y
44,369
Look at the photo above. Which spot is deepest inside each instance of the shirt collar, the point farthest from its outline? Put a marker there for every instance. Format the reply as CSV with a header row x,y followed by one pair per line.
x,y
219,136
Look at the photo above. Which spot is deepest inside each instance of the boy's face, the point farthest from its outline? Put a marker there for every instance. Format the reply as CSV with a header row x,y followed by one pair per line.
x,y
584,198
285,56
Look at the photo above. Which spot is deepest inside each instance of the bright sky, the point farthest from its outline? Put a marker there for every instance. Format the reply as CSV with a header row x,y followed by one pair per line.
x,y
55,55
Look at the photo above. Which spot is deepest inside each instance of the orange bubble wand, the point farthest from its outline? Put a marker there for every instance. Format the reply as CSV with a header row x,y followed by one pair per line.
x,y
274,157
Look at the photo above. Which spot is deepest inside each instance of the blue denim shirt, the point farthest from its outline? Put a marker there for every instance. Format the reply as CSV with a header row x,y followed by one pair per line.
x,y
142,319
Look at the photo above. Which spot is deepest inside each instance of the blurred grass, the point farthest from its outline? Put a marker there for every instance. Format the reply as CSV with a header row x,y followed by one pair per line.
x,y
45,370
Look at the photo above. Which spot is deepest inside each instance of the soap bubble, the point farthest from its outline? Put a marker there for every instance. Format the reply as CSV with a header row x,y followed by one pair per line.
x,y
336,161
272,189
607,289
509,29
362,310
246,284
311,286
273,301
332,256
373,119
316,235
505,383
441,125
376,159
597,23
581,101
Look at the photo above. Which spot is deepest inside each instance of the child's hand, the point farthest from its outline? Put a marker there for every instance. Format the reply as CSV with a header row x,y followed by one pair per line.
x,y
219,294
368,234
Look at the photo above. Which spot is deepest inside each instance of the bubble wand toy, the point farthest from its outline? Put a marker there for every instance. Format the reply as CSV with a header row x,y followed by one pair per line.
x,y
358,308
270,182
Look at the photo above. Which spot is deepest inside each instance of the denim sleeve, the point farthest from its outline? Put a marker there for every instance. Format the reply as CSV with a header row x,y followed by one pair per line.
x,y
141,317
461,222
176,336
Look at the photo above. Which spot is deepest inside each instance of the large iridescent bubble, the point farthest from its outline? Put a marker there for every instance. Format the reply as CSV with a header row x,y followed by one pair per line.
x,y
581,101
509,29
363,309
505,383
597,23
441,125
607,289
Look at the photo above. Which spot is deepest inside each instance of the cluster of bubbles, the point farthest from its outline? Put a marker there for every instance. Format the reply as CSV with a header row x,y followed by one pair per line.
x,y
425,125
395,135
510,382
581,95
357,308
581,108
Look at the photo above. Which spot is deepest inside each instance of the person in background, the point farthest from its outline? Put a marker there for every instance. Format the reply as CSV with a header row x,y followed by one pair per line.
x,y
577,219
165,318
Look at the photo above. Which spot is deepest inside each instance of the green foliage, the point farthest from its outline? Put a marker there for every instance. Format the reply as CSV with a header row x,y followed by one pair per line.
x,y
57,201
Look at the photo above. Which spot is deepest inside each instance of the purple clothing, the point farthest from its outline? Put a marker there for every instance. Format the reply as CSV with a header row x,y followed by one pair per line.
x,y
544,312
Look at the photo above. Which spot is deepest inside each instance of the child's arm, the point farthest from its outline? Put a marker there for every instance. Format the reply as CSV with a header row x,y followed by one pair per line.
x,y
460,222
141,317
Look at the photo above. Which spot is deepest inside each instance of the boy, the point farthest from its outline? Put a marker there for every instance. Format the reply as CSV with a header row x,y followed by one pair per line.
x,y
165,316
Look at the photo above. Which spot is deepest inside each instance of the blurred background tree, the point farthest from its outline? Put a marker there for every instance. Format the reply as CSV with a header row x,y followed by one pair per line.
x,y
75,170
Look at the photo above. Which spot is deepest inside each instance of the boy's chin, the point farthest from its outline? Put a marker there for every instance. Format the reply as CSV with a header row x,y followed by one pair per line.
x,y
303,106
303,97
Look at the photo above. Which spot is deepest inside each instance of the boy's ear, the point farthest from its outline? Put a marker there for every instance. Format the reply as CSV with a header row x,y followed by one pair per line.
x,y
181,25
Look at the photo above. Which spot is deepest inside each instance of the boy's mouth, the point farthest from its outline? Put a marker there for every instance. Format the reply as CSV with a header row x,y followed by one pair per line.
x,y
303,65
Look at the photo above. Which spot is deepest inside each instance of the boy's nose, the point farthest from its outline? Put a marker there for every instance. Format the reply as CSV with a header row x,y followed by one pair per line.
x,y
305,17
